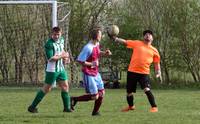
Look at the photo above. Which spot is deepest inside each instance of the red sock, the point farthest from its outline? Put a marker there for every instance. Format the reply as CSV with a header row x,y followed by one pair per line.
x,y
83,98
97,104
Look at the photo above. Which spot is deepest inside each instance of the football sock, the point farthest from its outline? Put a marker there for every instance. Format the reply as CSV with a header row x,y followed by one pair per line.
x,y
130,100
66,99
83,98
151,98
38,98
97,104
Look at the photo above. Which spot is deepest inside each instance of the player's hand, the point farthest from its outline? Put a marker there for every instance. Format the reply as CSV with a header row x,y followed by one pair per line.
x,y
66,60
108,52
94,64
159,78
64,55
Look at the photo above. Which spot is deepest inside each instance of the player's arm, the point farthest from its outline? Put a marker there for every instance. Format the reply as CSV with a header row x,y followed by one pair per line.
x,y
90,64
107,52
66,59
119,40
49,52
86,63
158,71
57,57
116,39
83,57
157,68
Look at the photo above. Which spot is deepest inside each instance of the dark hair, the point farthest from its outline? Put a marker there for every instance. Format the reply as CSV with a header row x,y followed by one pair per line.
x,y
94,33
56,29
147,31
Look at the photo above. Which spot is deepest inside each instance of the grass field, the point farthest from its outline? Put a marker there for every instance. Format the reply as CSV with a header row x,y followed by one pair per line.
x,y
175,107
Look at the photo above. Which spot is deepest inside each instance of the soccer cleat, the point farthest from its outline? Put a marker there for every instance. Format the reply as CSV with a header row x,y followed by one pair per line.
x,y
96,114
154,109
67,110
32,109
73,103
129,108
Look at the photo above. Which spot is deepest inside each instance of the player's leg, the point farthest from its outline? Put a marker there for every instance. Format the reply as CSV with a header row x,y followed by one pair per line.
x,y
145,85
62,80
151,100
65,95
91,91
130,89
49,80
101,93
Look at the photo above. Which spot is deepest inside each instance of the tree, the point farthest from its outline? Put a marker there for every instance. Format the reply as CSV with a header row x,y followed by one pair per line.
x,y
188,27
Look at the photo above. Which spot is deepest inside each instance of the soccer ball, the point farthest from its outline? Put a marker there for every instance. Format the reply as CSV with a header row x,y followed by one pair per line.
x,y
113,30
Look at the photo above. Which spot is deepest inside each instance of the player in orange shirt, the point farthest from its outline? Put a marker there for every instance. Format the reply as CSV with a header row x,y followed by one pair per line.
x,y
142,57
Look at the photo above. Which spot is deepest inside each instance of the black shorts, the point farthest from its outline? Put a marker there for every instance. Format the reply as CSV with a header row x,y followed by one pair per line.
x,y
133,78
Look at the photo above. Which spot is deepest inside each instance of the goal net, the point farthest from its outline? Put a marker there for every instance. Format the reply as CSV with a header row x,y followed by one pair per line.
x,y
24,28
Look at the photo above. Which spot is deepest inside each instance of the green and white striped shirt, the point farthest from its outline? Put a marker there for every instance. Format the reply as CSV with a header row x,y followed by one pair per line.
x,y
52,48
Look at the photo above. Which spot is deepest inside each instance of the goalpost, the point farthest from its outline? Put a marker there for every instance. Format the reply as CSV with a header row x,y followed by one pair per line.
x,y
52,2
25,25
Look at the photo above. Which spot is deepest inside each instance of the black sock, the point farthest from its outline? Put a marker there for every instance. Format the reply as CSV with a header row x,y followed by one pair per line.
x,y
151,98
130,100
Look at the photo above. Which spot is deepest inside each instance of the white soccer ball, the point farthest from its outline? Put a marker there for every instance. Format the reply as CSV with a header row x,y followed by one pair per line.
x,y
113,30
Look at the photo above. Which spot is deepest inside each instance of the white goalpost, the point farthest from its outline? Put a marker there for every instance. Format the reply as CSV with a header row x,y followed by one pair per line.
x,y
52,2
25,25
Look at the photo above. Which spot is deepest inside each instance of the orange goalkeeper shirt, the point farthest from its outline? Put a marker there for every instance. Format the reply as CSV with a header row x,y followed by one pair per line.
x,y
142,57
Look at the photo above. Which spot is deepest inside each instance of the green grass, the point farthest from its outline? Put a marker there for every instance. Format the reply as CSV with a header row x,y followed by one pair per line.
x,y
175,107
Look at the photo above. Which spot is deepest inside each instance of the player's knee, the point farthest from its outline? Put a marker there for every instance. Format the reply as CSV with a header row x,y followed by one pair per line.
x,y
64,86
46,90
147,89
64,89
101,93
95,96
129,94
